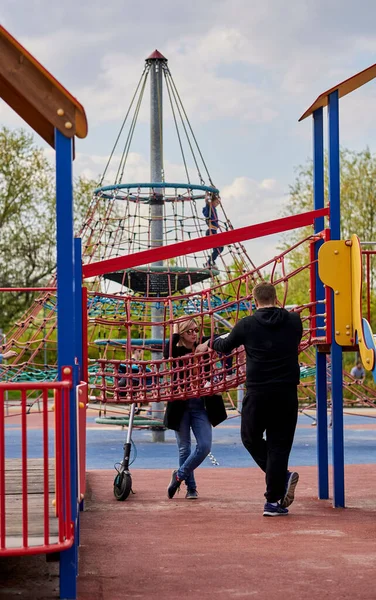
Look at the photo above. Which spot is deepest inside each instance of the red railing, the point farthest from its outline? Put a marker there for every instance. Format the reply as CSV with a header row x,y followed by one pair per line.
x,y
322,334
82,393
43,541
368,279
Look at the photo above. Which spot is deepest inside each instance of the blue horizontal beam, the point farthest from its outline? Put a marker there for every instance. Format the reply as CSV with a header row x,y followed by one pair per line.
x,y
134,342
161,185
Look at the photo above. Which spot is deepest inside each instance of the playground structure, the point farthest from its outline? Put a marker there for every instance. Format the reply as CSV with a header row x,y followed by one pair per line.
x,y
154,291
57,117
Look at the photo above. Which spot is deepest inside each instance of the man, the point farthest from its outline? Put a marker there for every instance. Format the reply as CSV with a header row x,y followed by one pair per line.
x,y
358,372
271,338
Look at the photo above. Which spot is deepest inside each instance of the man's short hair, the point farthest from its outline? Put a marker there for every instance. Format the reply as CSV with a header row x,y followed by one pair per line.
x,y
264,293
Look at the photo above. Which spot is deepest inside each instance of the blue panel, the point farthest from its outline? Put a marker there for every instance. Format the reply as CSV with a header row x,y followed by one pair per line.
x,y
370,342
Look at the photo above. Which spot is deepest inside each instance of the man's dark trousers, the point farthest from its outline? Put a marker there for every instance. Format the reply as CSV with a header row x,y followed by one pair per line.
x,y
272,409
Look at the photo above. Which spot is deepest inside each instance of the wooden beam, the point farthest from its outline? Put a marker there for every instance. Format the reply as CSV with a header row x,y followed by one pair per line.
x,y
344,88
36,95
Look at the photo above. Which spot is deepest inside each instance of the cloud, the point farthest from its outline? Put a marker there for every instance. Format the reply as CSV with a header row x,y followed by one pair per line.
x,y
238,66
137,168
230,58
247,202
213,96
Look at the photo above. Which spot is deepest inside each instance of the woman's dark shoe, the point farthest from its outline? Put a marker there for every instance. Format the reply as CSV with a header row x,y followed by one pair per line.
x,y
174,484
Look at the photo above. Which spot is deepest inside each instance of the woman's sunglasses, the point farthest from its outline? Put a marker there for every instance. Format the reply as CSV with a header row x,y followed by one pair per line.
x,y
190,331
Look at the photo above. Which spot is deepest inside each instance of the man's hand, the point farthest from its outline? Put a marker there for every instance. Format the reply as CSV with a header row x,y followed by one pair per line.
x,y
200,348
9,354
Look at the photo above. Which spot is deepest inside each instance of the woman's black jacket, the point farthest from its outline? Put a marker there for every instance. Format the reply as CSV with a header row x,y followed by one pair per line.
x,y
175,408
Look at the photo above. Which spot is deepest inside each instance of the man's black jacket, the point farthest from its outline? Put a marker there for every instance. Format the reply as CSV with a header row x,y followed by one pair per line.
x,y
271,338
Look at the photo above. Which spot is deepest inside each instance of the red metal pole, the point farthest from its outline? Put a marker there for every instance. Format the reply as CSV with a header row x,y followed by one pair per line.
x,y
59,462
328,301
67,470
85,359
25,524
312,287
2,471
45,469
368,278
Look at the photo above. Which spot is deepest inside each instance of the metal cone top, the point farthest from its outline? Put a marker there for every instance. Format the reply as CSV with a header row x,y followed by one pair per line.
x,y
156,55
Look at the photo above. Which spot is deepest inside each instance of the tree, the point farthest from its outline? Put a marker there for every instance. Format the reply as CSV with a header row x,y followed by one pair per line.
x,y
358,209
27,220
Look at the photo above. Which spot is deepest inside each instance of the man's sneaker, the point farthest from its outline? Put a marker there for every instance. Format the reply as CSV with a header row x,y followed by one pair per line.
x,y
191,494
174,484
291,481
270,510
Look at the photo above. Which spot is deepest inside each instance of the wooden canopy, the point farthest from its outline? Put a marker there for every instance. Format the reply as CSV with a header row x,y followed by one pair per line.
x,y
36,95
344,88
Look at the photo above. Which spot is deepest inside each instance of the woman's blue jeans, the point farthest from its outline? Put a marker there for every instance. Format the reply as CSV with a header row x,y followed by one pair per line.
x,y
196,419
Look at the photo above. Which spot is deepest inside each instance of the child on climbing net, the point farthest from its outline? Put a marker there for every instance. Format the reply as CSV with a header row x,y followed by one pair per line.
x,y
211,216
140,385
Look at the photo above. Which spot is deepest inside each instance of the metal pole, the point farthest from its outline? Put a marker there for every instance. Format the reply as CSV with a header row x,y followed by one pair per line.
x,y
321,385
156,61
4,341
368,271
240,397
65,329
337,375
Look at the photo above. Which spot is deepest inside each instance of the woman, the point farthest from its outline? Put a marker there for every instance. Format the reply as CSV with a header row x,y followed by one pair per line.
x,y
196,413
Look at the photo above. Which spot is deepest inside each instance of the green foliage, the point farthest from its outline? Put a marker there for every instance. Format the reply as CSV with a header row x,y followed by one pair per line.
x,y
27,220
358,211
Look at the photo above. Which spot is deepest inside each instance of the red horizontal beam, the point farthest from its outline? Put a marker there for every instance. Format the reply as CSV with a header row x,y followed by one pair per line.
x,y
42,549
35,385
29,289
203,243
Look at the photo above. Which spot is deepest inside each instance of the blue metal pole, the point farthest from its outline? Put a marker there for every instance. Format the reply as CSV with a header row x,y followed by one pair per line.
x,y
321,389
65,331
337,374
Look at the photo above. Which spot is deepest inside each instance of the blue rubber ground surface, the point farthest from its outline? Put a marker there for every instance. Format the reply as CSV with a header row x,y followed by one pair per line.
x,y
104,446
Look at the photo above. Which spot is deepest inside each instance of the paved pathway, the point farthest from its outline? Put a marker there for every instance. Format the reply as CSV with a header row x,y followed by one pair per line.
x,y
221,547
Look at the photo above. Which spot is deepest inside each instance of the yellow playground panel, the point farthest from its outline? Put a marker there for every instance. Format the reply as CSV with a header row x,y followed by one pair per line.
x,y
340,268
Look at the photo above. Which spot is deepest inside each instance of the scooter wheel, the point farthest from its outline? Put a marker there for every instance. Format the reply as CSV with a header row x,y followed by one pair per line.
x,y
122,485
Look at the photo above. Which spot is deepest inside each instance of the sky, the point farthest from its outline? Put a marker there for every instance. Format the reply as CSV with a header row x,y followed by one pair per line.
x,y
245,70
